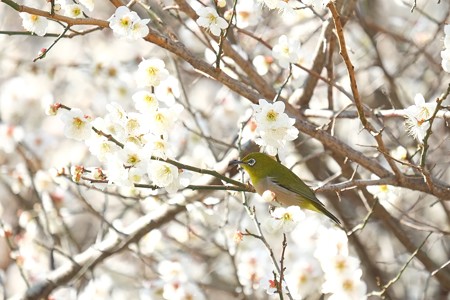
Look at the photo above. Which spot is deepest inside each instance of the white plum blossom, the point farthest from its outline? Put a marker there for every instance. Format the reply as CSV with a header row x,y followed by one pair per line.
x,y
101,147
19,178
116,172
417,117
268,196
276,138
274,127
172,271
330,242
145,102
43,181
286,51
339,265
132,155
167,176
182,290
271,115
163,120
251,268
285,219
348,286
386,194
156,146
33,23
137,175
136,124
221,3
262,64
76,125
151,72
10,135
126,23
168,91
210,19
117,113
139,29
73,11
120,22
305,278
247,14
109,125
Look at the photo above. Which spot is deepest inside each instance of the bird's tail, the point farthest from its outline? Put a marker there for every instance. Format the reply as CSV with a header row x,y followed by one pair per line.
x,y
331,216
321,209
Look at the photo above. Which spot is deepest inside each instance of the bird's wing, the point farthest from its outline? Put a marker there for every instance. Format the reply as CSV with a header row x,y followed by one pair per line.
x,y
290,194
298,187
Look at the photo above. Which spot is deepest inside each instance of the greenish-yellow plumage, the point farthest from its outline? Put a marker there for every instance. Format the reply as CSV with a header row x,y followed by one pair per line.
x,y
268,174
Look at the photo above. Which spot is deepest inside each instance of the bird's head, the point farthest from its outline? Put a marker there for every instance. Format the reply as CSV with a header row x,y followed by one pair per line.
x,y
256,164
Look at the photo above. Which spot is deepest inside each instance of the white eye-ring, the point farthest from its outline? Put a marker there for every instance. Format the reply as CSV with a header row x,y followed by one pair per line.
x,y
251,162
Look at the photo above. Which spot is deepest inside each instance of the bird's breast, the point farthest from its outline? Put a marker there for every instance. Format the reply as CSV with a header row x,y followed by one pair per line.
x,y
283,195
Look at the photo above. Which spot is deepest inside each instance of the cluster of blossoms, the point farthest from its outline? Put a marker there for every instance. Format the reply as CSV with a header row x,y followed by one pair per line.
x,y
38,25
128,24
417,117
320,256
130,144
123,22
274,127
445,54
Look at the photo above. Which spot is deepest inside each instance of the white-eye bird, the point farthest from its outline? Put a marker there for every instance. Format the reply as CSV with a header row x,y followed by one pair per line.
x,y
268,174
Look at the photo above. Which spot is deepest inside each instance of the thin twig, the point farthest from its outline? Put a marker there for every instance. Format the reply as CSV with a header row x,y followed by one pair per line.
x,y
400,273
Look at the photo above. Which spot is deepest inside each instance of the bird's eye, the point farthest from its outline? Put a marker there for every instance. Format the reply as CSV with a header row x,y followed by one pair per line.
x,y
251,162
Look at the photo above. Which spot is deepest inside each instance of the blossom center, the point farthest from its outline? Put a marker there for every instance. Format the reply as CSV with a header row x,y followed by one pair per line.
x,y
160,118
159,145
152,71
76,11
347,285
303,279
78,123
286,50
132,124
271,115
212,18
149,99
125,22
133,159
287,217
244,14
340,264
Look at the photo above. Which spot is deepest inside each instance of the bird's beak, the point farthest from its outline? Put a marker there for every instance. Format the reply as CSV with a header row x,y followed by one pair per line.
x,y
236,162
